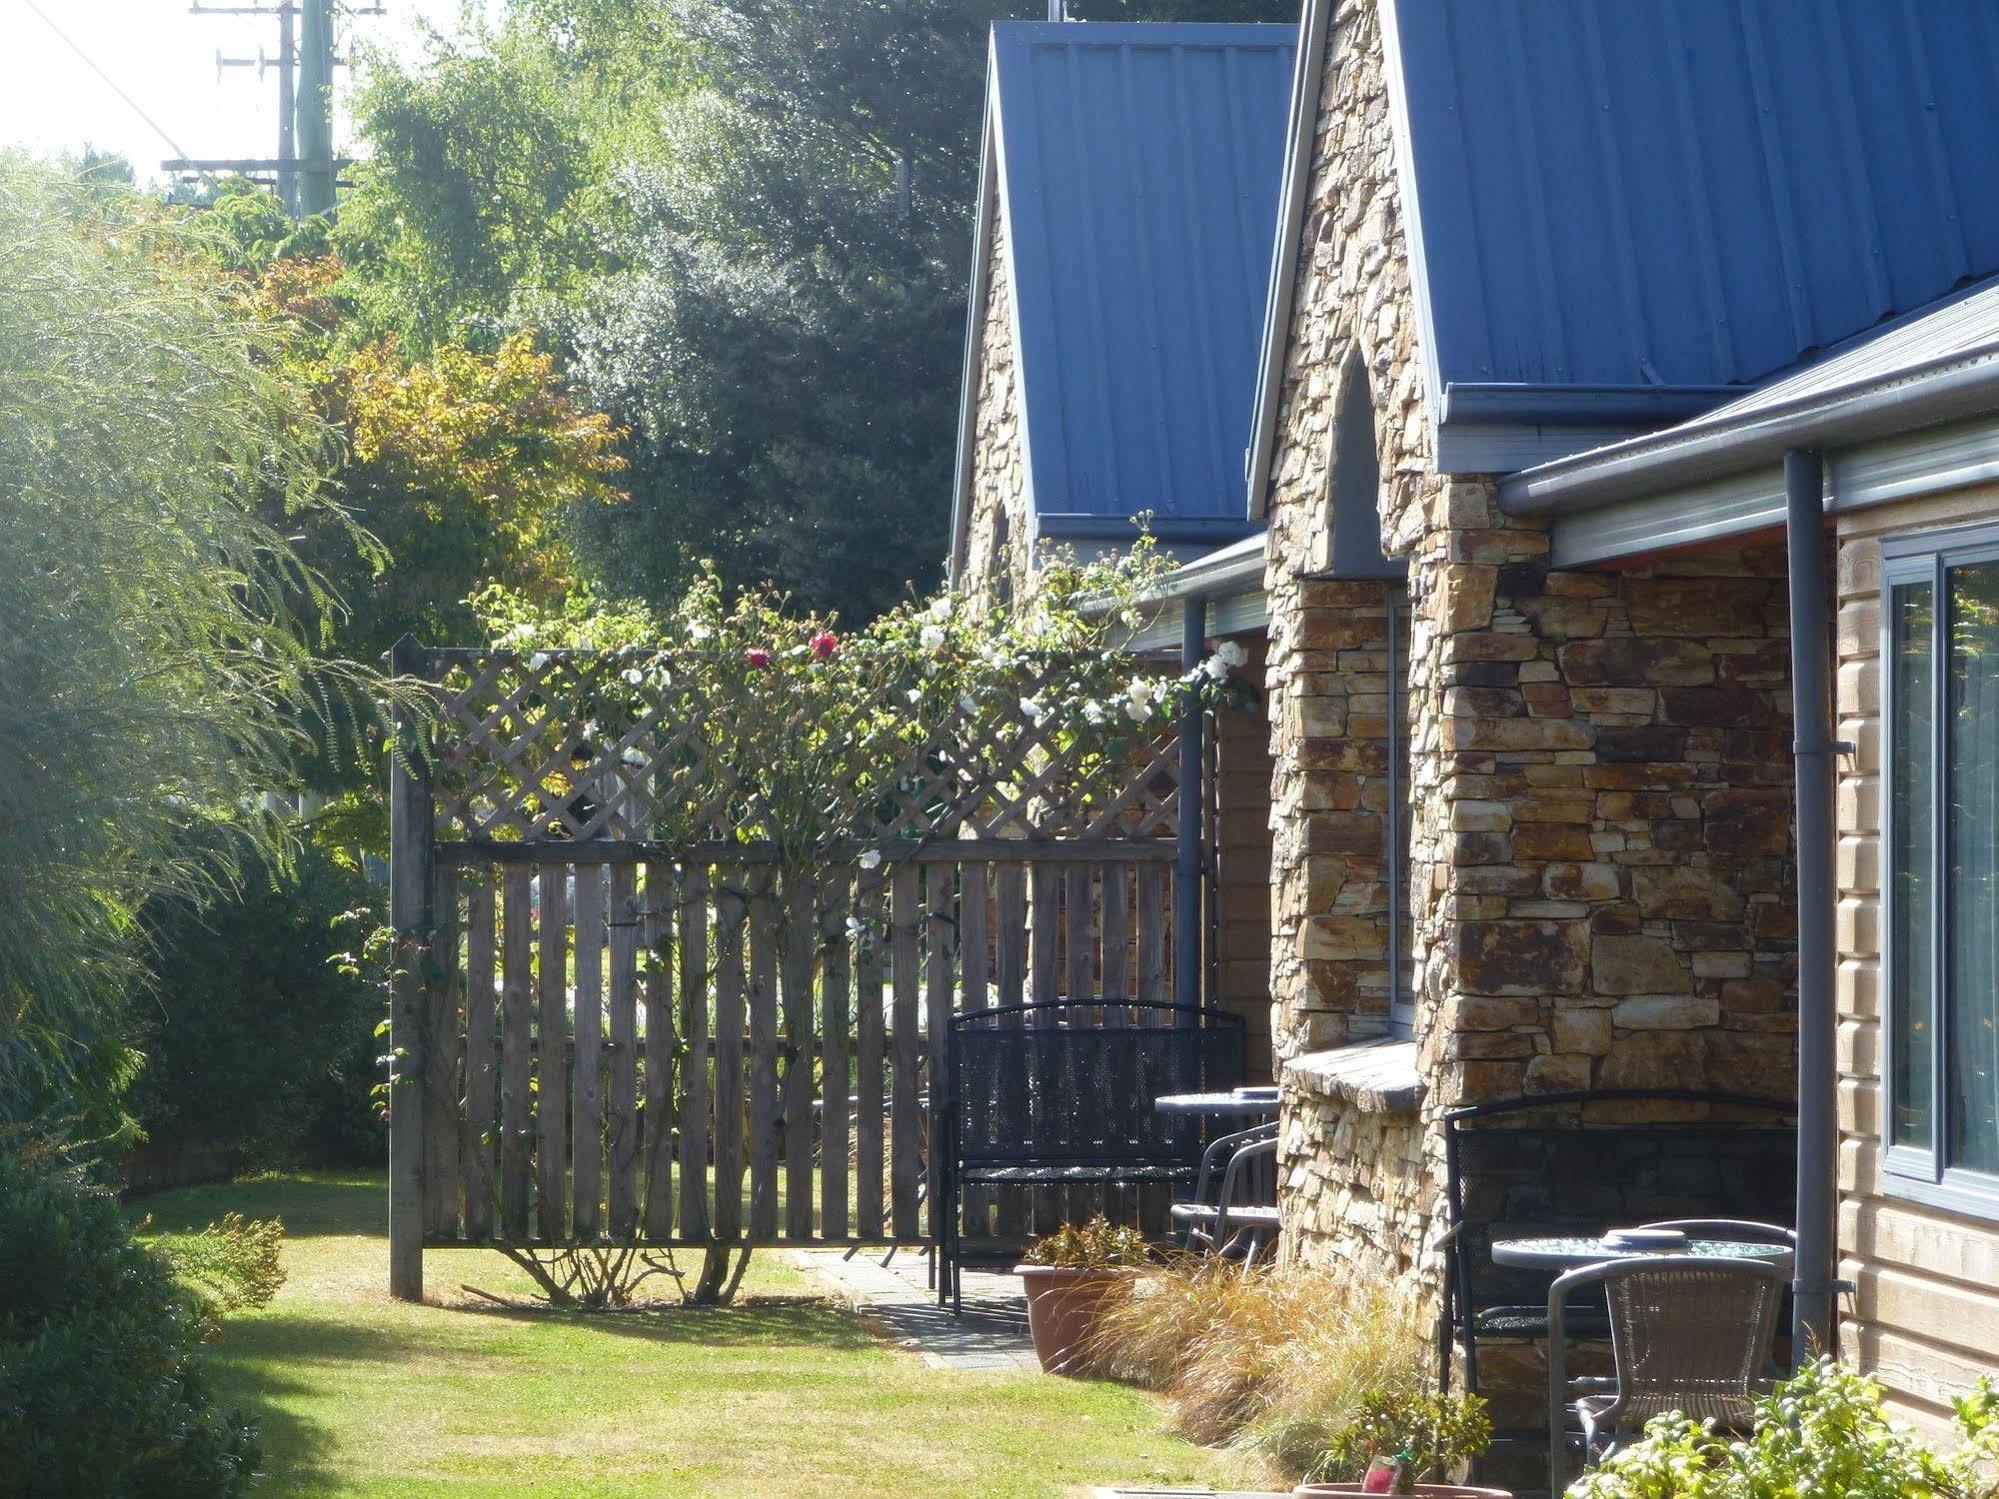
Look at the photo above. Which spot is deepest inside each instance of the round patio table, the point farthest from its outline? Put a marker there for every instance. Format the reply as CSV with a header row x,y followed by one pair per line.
x,y
1568,1252
1249,1103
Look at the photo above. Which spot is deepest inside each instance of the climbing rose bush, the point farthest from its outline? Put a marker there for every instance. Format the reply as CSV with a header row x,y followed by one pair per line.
x,y
820,721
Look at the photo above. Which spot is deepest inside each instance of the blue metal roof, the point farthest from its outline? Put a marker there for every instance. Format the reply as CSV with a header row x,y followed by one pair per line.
x,y
1627,212
1137,176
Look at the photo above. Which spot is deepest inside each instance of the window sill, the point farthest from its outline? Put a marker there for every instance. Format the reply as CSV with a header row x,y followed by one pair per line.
x,y
1374,1077
1959,1192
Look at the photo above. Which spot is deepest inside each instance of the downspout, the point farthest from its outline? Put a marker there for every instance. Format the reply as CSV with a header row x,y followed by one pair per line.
x,y
1813,749
1187,855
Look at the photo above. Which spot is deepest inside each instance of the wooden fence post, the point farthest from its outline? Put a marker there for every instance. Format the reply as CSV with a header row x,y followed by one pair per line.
x,y
409,918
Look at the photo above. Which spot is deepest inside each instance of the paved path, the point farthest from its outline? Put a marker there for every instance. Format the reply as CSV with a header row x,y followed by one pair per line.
x,y
991,1335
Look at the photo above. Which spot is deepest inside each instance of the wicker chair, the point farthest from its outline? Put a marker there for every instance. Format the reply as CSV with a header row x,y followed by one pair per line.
x,y
1742,1230
1688,1333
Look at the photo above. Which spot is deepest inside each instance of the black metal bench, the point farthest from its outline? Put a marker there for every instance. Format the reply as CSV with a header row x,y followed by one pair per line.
x,y
1571,1164
1062,1091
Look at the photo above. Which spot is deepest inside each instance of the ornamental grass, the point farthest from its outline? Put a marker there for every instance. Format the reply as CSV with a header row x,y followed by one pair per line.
x,y
1270,1362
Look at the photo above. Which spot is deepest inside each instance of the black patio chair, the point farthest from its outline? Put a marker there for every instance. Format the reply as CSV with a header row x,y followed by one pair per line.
x,y
1233,1209
1061,1092
1555,1164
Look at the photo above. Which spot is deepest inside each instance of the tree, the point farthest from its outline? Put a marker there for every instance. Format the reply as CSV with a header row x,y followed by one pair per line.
x,y
772,297
159,638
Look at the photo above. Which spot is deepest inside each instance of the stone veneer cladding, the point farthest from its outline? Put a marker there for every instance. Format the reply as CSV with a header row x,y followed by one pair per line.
x,y
1600,878
996,553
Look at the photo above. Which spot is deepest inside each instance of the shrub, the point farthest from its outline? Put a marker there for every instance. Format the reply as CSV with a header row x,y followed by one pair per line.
x,y
1421,1434
1098,1244
229,1265
102,1390
1823,1432
1275,1361
252,1030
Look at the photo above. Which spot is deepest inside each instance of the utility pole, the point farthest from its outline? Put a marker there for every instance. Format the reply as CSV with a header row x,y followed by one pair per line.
x,y
304,171
315,109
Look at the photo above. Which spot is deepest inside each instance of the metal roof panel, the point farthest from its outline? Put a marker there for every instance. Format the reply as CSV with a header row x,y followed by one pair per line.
x,y
1138,172
1691,193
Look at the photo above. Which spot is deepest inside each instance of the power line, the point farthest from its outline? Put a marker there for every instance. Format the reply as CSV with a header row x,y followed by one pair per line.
x,y
109,82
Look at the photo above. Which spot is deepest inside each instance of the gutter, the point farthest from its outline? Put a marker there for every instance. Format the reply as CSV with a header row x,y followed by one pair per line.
x,y
1284,254
1961,384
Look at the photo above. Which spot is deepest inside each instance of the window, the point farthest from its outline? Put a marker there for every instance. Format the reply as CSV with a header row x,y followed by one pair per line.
x,y
1940,638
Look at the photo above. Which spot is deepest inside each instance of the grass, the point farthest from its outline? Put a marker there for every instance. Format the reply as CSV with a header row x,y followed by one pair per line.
x,y
786,1395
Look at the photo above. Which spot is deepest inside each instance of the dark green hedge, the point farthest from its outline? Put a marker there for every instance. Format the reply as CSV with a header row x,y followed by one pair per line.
x,y
253,1038
102,1391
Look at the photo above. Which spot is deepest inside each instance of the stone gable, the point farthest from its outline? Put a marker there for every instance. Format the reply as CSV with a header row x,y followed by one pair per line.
x,y
995,564
1599,773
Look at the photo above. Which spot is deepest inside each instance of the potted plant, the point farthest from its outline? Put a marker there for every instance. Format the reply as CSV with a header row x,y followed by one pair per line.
x,y
1400,1438
1068,1277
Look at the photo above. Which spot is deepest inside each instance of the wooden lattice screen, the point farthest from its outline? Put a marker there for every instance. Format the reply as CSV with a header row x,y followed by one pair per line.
x,y
648,995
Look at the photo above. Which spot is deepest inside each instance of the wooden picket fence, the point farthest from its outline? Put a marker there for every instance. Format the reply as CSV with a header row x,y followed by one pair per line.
x,y
628,1012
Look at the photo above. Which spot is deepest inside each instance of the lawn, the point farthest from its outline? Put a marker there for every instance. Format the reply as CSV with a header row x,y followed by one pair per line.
x,y
786,1395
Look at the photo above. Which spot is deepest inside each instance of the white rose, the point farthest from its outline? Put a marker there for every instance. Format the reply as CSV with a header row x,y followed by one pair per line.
x,y
1137,711
967,703
932,637
1034,711
538,660
1161,690
633,756
1216,666
1232,652
698,630
634,676
1093,713
854,929
940,607
1138,689
871,859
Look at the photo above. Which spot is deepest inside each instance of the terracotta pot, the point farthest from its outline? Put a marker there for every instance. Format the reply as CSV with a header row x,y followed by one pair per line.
x,y
1431,1490
1062,1306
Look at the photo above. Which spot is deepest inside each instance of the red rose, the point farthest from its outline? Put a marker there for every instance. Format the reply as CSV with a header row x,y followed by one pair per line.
x,y
824,644
756,655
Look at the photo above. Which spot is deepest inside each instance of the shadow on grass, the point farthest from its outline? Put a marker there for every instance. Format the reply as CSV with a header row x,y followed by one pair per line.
x,y
258,1375
802,1322
313,1204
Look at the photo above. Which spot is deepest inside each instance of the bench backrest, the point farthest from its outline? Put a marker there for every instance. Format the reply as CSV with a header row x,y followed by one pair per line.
x,y
1072,1082
1583,1163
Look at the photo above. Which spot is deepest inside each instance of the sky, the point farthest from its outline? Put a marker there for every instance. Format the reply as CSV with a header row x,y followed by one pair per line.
x,y
164,58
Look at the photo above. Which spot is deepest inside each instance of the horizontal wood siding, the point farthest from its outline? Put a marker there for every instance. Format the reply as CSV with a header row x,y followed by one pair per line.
x,y
1926,1314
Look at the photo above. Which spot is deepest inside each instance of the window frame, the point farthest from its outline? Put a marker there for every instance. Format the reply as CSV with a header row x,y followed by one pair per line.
x,y
1923,1174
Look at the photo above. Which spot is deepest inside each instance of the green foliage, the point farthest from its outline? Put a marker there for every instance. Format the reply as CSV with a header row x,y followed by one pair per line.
x,y
158,634
468,467
1423,1434
1823,1432
229,1265
256,1031
746,227
103,1390
818,724
1098,1244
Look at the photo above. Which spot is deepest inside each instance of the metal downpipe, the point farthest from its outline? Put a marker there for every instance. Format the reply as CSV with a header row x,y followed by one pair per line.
x,y
1812,1328
1187,854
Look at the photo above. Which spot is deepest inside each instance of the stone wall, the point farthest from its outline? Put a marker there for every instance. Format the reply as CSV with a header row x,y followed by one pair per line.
x,y
995,562
1600,862
1359,1183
